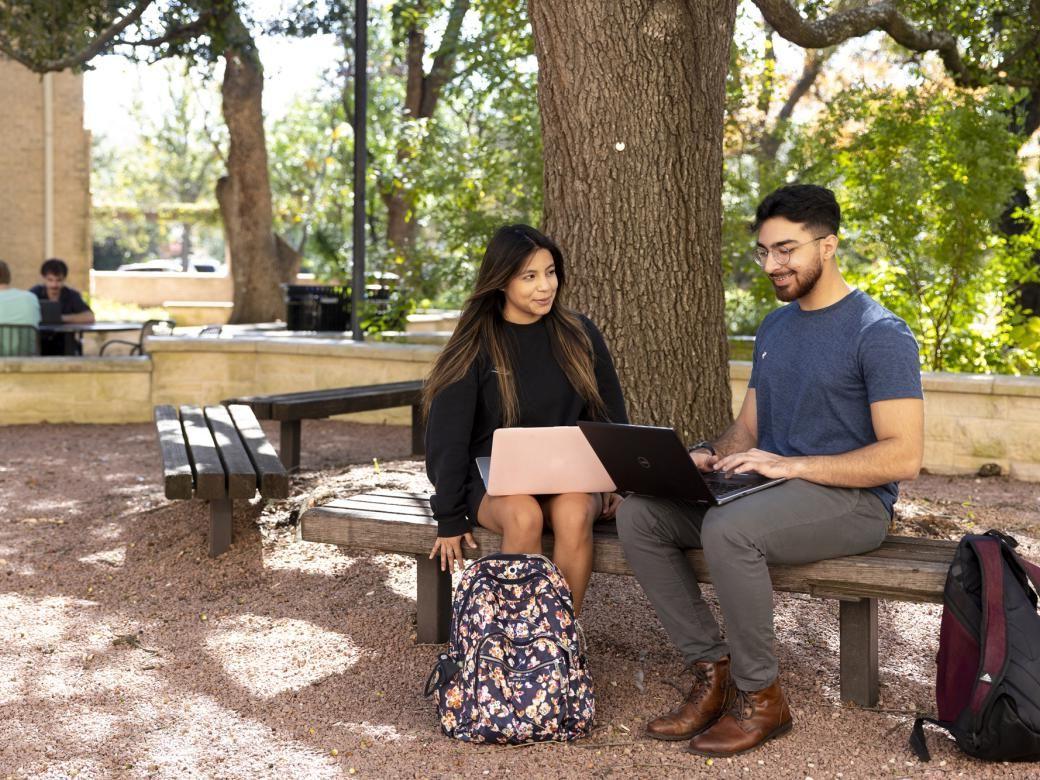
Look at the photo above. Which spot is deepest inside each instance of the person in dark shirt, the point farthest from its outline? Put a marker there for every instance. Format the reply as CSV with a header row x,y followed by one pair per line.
x,y
73,307
518,358
834,405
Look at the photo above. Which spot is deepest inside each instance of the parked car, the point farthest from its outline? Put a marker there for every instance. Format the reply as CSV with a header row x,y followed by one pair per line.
x,y
172,266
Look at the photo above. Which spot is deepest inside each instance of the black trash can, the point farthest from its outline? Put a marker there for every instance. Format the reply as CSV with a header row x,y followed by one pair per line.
x,y
316,307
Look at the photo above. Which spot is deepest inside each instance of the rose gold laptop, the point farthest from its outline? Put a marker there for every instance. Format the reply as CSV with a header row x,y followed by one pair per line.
x,y
542,461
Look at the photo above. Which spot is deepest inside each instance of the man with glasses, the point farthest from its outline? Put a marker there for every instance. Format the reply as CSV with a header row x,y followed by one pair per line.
x,y
834,404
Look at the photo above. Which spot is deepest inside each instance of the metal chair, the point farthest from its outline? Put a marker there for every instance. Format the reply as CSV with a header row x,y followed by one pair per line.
x,y
150,327
19,341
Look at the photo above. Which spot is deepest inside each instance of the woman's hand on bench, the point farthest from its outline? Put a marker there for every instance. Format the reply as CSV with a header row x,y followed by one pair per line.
x,y
450,550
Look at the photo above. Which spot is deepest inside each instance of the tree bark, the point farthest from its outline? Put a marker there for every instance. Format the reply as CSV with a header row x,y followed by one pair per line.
x,y
244,194
632,95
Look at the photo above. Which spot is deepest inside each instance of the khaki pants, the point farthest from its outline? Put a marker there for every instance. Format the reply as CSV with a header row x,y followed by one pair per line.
x,y
791,523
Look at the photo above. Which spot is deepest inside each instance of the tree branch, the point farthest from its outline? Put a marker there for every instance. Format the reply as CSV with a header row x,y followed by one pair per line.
x,y
185,31
443,69
769,143
855,22
103,39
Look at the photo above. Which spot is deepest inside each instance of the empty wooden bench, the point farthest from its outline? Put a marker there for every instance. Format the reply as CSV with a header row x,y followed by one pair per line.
x,y
902,569
292,408
217,454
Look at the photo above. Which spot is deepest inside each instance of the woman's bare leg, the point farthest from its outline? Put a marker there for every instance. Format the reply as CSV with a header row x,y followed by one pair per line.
x,y
518,519
572,516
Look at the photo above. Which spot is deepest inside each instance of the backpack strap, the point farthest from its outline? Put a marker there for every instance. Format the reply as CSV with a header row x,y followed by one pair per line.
x,y
917,739
994,621
1030,569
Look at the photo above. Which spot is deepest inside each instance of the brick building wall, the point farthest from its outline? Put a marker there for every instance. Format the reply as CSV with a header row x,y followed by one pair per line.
x,y
22,180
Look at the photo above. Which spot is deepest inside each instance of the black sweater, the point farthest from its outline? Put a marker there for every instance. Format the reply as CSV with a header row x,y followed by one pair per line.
x,y
464,416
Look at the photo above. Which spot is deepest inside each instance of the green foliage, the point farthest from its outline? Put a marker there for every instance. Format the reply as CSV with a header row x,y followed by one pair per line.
x,y
924,175
160,189
471,167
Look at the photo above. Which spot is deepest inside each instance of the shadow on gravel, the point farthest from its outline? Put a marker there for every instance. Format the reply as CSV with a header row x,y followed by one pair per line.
x,y
125,649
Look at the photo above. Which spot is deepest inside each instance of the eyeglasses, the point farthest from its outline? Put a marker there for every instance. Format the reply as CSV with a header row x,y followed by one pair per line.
x,y
781,253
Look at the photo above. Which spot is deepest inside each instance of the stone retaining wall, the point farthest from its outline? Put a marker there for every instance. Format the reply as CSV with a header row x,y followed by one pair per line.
x,y
969,419
74,389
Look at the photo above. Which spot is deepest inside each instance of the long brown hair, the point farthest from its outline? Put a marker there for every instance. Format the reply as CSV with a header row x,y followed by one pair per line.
x,y
482,326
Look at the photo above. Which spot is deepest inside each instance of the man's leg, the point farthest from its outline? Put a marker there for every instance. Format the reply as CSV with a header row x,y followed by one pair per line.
x,y
655,534
797,522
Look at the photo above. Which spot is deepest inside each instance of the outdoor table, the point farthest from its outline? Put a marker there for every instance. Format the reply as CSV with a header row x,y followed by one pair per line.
x,y
73,331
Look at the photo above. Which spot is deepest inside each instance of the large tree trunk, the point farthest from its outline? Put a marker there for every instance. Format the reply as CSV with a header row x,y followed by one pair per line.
x,y
244,194
632,94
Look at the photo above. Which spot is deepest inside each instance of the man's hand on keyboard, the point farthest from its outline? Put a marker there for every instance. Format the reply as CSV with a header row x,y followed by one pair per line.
x,y
703,460
761,462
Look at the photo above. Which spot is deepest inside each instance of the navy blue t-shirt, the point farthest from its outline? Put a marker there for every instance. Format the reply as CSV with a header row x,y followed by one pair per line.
x,y
815,374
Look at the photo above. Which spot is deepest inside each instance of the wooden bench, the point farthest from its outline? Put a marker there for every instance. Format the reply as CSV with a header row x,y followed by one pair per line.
x,y
217,454
292,408
902,569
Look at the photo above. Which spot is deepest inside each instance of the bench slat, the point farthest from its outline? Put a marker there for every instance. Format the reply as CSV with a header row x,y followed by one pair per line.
x,y
411,510
210,479
377,526
346,404
400,502
304,396
274,480
316,404
241,477
178,479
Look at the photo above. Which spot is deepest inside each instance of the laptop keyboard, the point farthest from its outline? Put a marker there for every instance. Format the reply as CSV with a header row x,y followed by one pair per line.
x,y
722,485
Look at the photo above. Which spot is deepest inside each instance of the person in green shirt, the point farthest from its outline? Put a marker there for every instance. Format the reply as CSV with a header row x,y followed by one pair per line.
x,y
17,307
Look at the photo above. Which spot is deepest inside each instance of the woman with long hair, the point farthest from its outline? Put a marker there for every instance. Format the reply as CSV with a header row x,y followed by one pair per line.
x,y
518,358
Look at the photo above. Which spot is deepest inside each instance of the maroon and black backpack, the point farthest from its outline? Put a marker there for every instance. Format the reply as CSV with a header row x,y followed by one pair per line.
x,y
987,688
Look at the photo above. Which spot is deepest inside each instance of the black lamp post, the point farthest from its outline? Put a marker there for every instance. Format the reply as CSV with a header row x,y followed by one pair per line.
x,y
357,288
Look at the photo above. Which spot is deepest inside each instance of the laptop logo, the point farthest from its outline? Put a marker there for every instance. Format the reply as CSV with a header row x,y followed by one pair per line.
x,y
643,462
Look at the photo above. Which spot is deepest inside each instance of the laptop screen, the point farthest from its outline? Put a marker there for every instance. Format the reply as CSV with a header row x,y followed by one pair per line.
x,y
50,312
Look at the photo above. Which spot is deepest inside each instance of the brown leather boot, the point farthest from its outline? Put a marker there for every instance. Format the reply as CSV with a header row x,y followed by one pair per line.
x,y
712,689
752,719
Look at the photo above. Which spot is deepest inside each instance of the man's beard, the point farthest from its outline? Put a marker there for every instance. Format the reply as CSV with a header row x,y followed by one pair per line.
x,y
804,282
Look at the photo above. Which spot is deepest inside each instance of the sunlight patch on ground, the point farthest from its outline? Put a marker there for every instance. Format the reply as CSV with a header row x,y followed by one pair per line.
x,y
113,557
270,656
79,768
917,626
108,531
307,557
400,574
31,628
50,505
202,729
90,726
380,731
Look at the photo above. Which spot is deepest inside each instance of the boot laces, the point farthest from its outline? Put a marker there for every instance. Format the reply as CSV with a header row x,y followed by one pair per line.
x,y
742,707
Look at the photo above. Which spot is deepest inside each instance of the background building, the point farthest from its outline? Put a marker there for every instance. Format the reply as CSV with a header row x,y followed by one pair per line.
x,y
44,174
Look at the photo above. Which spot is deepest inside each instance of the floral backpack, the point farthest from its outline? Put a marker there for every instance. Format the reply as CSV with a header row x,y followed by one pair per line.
x,y
515,670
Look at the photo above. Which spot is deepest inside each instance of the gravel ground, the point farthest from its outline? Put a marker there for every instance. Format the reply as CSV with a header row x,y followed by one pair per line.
x,y
126,652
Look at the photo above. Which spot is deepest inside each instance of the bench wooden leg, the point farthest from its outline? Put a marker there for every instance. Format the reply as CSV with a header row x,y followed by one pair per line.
x,y
219,526
859,651
433,601
418,431
289,444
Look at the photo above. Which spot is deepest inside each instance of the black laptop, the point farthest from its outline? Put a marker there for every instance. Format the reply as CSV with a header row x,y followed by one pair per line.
x,y
50,312
654,462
